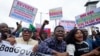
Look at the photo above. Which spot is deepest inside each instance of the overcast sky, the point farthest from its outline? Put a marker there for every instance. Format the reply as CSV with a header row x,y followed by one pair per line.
x,y
71,8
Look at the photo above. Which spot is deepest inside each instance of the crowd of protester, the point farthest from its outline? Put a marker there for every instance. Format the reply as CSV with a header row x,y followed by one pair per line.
x,y
77,42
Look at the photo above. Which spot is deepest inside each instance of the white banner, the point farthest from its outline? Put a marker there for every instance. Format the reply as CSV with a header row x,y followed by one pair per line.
x,y
17,50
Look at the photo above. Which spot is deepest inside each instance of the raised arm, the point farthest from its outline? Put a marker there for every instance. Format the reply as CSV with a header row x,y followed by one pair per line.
x,y
42,29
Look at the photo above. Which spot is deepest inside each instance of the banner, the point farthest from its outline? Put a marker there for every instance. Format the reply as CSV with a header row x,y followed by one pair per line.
x,y
23,11
68,25
17,50
89,18
55,13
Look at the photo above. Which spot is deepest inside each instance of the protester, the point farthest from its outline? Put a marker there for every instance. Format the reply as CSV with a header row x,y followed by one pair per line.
x,y
89,40
6,33
54,45
76,44
35,37
18,30
4,29
26,38
43,35
93,36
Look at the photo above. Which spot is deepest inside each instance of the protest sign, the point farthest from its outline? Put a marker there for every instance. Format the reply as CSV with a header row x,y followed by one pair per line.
x,y
55,13
68,25
23,11
88,18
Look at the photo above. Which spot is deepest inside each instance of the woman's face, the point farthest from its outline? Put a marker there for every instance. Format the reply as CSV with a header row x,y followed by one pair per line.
x,y
79,36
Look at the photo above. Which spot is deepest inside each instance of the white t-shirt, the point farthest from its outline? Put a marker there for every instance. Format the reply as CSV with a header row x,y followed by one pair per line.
x,y
71,49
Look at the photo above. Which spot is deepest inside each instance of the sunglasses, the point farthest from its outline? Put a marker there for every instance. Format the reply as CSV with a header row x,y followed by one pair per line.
x,y
26,30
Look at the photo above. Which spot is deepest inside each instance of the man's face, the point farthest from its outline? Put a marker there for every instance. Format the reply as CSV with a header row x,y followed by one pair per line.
x,y
59,33
44,35
26,35
93,33
86,32
4,28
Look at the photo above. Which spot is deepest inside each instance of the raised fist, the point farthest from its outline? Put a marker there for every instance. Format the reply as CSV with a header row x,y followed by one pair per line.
x,y
46,22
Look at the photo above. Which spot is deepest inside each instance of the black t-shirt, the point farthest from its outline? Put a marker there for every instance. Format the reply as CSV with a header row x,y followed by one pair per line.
x,y
81,49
